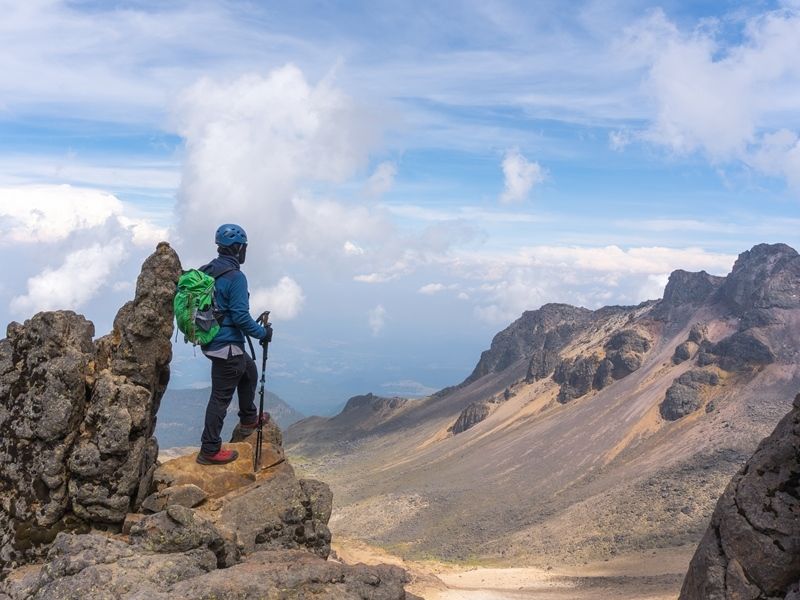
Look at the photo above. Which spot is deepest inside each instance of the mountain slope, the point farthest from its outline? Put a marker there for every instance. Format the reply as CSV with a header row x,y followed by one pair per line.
x,y
582,433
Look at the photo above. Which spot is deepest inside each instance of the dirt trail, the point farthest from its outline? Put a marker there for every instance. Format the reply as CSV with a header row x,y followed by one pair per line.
x,y
653,576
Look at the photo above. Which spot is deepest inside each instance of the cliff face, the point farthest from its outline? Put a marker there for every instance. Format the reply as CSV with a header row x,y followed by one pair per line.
x,y
77,416
751,550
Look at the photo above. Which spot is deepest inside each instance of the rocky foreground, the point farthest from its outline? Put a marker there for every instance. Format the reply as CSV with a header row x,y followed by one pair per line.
x,y
86,510
751,550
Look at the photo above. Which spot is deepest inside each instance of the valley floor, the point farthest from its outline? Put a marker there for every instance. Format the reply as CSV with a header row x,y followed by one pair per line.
x,y
656,575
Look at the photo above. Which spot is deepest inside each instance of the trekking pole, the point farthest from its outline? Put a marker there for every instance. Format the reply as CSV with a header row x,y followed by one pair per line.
x,y
263,320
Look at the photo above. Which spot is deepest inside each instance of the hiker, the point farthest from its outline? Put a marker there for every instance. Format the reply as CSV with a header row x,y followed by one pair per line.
x,y
232,369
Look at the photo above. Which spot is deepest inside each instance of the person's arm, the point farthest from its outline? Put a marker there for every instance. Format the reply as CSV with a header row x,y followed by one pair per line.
x,y
239,308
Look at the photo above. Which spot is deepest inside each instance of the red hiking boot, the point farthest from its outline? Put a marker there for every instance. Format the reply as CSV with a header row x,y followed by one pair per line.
x,y
248,428
222,457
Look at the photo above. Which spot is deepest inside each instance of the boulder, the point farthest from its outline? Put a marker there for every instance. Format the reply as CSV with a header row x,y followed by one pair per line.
x,y
78,417
276,513
684,352
684,396
752,546
472,414
576,376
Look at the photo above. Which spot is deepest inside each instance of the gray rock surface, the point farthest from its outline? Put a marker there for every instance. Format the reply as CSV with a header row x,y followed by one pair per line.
x,y
576,376
96,567
765,276
538,336
78,417
278,514
473,414
188,495
684,396
742,350
751,550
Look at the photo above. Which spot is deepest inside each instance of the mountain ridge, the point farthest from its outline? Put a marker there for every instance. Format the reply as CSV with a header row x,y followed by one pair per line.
x,y
588,396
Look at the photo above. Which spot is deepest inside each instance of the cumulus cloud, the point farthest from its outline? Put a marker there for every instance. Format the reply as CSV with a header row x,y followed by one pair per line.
x,y
284,300
520,177
376,318
82,274
46,214
723,99
509,284
382,180
254,143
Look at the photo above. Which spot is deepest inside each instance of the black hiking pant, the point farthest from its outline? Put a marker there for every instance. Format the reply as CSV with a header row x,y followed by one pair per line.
x,y
235,373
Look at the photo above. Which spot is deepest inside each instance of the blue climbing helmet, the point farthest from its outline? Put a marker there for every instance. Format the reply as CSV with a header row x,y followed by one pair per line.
x,y
230,234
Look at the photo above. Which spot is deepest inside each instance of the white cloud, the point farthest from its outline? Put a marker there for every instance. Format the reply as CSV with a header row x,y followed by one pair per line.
x,y
512,283
520,176
434,288
382,180
285,299
82,274
44,213
724,99
253,146
51,213
376,318
352,249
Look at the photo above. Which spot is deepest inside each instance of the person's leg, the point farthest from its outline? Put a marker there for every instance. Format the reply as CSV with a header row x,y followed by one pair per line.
x,y
246,390
225,376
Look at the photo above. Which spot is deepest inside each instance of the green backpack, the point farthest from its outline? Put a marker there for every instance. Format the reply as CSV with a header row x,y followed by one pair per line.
x,y
195,309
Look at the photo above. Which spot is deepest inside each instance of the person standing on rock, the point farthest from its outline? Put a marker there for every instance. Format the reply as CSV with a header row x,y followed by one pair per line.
x,y
231,368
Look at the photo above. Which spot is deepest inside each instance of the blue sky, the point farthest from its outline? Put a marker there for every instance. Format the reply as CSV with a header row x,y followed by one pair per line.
x,y
413,175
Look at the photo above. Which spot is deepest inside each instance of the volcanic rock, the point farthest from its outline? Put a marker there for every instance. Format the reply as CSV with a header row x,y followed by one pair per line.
x,y
626,351
471,416
752,547
78,417
576,376
765,276
684,396
188,495
538,336
743,350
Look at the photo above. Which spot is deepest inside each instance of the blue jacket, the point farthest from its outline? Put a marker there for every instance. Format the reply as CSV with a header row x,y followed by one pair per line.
x,y
233,299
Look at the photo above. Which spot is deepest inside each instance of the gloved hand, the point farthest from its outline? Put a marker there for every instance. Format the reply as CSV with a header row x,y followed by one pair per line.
x,y
268,338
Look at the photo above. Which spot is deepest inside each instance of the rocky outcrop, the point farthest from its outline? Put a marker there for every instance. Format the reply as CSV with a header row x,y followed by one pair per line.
x,y
624,354
373,403
766,276
538,336
95,567
473,414
89,511
78,416
688,349
576,376
626,350
684,292
684,396
742,350
751,550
